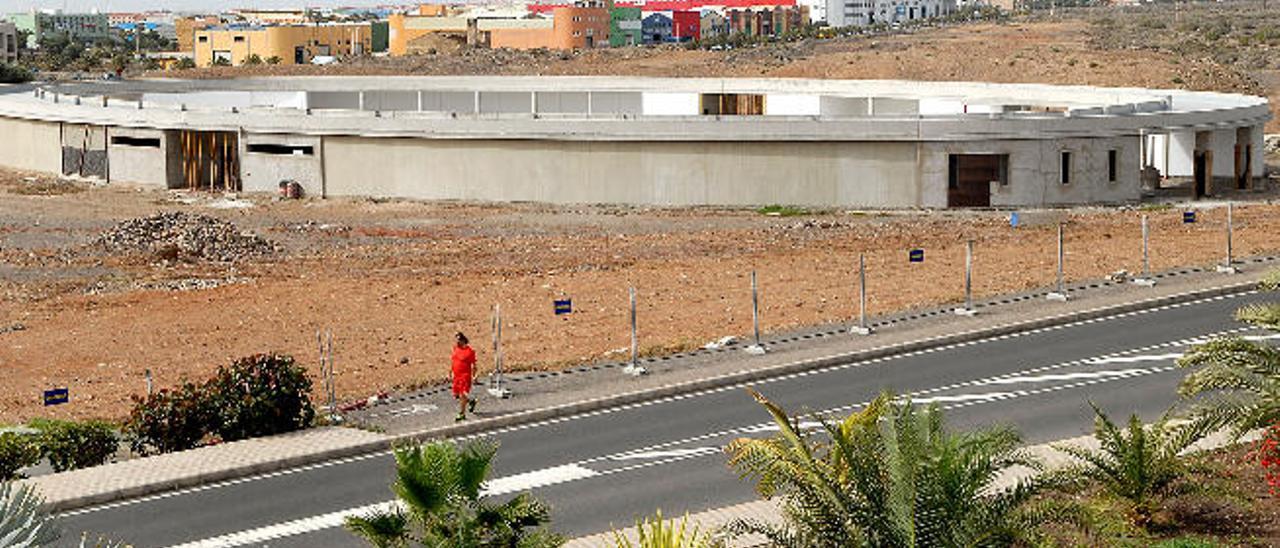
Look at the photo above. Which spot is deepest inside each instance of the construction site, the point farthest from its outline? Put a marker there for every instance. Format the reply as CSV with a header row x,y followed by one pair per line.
x,y
116,261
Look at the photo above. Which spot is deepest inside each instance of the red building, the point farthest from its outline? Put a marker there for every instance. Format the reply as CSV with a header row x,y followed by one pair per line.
x,y
686,25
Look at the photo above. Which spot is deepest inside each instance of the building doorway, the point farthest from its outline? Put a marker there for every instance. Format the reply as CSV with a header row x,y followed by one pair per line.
x,y
1200,173
733,104
206,160
969,178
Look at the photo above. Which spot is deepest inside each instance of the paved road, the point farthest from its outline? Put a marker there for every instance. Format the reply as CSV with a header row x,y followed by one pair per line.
x,y
608,468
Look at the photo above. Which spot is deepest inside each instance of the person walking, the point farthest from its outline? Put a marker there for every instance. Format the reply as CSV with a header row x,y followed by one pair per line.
x,y
464,368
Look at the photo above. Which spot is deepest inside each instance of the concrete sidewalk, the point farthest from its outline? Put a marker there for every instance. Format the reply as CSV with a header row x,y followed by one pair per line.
x,y
770,511
597,388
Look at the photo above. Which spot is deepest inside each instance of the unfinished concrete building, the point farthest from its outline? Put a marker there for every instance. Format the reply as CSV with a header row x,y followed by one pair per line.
x,y
873,144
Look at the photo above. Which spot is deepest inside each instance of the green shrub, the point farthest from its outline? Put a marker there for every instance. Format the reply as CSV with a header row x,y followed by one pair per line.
x,y
70,445
261,395
13,74
170,420
1270,282
17,451
782,211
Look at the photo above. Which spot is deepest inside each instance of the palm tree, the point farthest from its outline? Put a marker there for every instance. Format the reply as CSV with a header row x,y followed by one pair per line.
x,y
1237,383
1139,464
889,475
439,486
657,533
22,523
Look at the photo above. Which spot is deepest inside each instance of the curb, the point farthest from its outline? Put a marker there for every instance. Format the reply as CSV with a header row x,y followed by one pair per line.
x,y
627,398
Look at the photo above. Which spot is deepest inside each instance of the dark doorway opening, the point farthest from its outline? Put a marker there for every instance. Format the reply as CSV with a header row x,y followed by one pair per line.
x,y
207,160
1200,173
970,176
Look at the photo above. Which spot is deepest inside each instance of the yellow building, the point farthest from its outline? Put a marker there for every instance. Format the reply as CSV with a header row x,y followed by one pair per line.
x,y
292,45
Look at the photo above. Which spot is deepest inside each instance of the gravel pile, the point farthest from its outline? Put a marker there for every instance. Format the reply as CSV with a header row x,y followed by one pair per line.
x,y
184,236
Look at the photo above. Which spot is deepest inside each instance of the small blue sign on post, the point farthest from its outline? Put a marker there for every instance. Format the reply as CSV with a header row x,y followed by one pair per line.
x,y
1188,217
1013,219
563,306
57,396
916,255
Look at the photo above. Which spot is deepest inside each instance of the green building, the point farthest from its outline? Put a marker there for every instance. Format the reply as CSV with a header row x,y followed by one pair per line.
x,y
85,27
381,36
624,27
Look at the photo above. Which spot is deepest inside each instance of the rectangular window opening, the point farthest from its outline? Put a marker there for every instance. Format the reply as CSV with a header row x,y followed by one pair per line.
x,y
1113,160
282,150
145,142
1065,176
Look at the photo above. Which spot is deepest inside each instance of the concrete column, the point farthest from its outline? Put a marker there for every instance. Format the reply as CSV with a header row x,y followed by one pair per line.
x,y
533,102
360,100
477,103
419,100
588,103
871,106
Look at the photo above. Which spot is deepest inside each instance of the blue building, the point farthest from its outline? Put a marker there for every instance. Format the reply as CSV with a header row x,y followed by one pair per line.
x,y
656,29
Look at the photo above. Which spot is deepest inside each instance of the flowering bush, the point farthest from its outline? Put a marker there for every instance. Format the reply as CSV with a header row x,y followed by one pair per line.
x,y
261,395
170,420
1268,454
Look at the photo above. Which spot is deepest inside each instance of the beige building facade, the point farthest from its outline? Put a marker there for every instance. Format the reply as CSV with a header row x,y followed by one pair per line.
x,y
287,45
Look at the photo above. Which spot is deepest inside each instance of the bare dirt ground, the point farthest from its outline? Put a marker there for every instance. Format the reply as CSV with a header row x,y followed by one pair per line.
x,y
395,280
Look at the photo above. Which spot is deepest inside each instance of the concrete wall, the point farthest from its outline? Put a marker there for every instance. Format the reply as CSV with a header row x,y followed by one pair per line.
x,y
779,104
262,172
391,100
843,106
670,104
30,145
816,174
131,163
562,102
1034,171
605,102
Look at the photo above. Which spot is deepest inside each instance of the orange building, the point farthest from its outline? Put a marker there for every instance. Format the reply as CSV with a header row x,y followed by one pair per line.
x,y
186,27
575,27
571,28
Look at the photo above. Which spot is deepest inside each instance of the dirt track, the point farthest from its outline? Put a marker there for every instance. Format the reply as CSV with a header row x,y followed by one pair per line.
x,y
395,280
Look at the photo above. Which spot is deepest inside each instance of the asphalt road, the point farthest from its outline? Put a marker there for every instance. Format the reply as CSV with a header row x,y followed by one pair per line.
x,y
606,469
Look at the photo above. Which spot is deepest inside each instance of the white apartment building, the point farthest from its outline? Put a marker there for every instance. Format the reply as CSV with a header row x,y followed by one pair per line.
x,y
8,42
849,13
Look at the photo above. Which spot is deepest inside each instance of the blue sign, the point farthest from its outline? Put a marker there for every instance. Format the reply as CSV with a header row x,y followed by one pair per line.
x,y
916,255
1013,219
902,10
563,306
1188,217
56,396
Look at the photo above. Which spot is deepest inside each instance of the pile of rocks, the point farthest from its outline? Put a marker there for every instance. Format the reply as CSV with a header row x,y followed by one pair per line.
x,y
179,235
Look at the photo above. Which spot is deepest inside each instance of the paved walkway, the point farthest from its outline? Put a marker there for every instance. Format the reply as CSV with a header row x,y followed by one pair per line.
x,y
546,396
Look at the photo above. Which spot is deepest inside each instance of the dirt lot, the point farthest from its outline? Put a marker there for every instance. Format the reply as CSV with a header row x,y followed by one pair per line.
x,y
1210,46
395,280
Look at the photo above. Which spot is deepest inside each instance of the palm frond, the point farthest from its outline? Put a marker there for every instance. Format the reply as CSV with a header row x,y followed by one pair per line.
x,y
387,529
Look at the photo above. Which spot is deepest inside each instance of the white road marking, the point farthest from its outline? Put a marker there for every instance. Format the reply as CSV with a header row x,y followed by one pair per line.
x,y
501,486
1136,359
737,386
1067,376
643,455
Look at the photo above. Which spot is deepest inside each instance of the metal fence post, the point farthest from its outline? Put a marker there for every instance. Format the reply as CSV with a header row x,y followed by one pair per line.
x,y
755,348
150,385
862,328
1060,292
1229,267
1145,279
633,368
968,309
495,380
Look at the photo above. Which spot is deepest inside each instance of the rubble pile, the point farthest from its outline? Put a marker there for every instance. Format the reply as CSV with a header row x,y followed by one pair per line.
x,y
183,236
